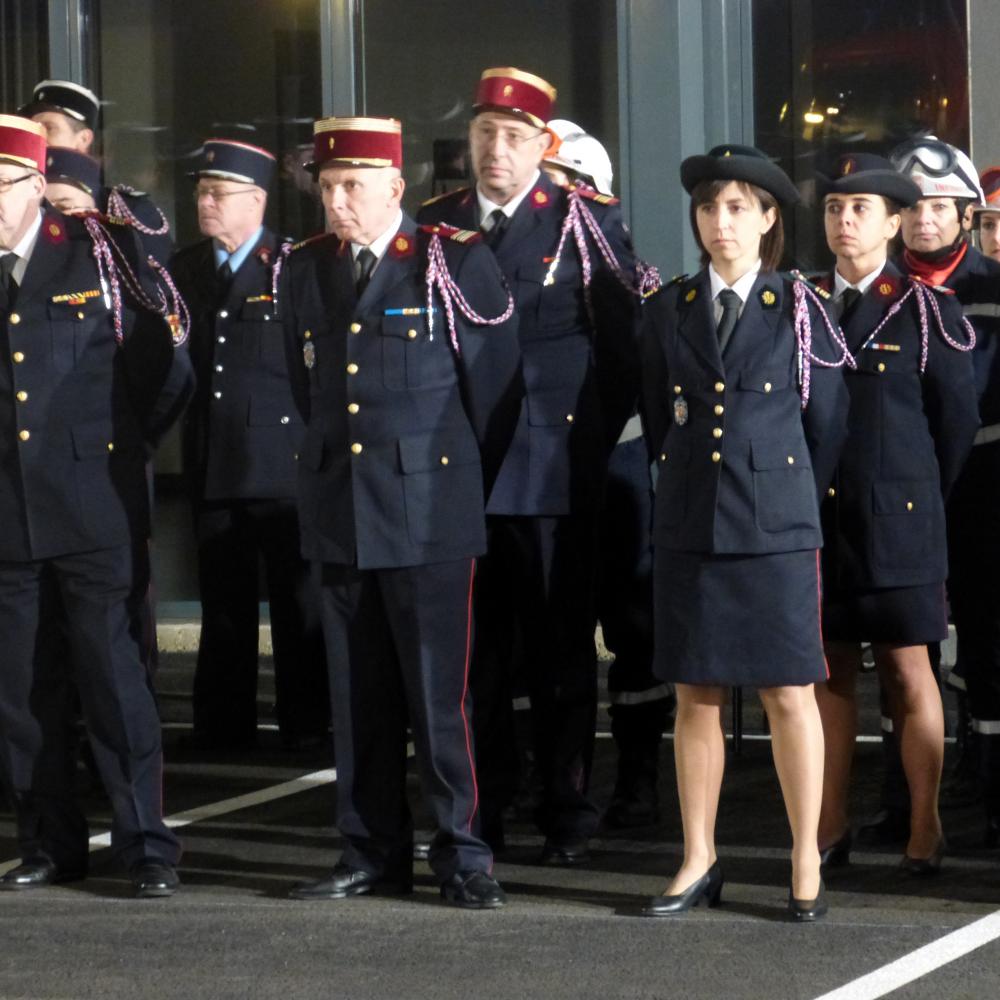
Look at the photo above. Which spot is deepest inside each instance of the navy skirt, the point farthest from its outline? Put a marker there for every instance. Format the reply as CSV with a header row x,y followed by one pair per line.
x,y
908,616
738,619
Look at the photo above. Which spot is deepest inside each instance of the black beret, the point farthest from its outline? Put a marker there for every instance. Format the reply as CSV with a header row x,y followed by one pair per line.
x,y
866,173
731,162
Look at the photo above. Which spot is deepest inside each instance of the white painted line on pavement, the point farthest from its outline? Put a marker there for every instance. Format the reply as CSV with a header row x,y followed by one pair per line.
x,y
212,809
920,962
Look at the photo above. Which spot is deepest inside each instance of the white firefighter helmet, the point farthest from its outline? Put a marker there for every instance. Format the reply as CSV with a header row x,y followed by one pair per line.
x,y
573,149
937,168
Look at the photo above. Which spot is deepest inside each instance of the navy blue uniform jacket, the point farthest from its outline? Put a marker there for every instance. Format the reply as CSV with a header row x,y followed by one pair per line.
x,y
243,430
976,283
740,463
79,410
581,378
402,437
909,436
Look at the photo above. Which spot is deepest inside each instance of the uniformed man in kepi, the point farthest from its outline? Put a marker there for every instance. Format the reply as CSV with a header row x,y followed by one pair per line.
x,y
639,702
406,350
240,441
576,309
91,376
69,113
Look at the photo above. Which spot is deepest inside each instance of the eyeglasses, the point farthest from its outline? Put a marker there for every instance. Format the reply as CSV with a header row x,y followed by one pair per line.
x,y
487,134
218,195
6,183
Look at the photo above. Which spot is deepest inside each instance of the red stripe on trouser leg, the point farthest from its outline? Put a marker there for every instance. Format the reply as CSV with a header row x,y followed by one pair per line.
x,y
465,695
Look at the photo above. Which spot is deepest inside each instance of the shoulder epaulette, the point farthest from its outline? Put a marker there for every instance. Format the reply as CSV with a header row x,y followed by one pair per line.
x,y
443,195
309,240
588,192
796,275
677,279
940,289
452,232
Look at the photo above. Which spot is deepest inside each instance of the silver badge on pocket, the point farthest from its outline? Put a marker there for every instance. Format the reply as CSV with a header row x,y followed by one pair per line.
x,y
680,411
309,354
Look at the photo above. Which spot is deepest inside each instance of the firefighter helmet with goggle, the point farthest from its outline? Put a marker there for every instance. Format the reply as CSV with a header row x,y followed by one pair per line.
x,y
937,168
576,150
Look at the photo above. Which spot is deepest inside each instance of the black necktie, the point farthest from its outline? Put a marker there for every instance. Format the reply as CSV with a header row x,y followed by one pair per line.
x,y
8,286
365,262
223,279
731,304
848,300
500,220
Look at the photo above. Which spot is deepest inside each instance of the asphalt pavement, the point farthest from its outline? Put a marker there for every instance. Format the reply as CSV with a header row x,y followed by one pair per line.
x,y
255,823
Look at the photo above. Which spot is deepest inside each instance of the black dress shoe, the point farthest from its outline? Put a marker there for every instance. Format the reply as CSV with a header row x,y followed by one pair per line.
x,y
562,855
805,911
838,854
707,888
36,874
473,890
153,878
345,881
924,866
890,826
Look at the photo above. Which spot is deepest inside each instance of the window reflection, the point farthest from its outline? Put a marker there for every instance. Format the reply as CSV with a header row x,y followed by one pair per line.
x,y
422,62
836,73
175,72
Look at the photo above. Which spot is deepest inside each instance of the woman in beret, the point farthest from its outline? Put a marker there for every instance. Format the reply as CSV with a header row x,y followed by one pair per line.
x,y
745,412
913,417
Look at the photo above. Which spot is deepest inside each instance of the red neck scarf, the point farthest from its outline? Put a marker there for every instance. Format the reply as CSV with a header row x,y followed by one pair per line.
x,y
934,272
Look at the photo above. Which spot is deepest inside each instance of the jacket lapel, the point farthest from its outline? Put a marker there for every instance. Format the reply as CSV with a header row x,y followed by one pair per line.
x,y
872,306
395,265
696,320
762,311
537,207
49,254
247,278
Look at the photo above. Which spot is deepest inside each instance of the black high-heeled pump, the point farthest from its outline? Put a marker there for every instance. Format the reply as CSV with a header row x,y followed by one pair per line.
x,y
805,911
925,866
707,888
838,854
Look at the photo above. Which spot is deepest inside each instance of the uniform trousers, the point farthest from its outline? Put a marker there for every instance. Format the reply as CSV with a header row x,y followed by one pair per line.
x,y
974,592
639,700
233,538
535,593
399,643
100,593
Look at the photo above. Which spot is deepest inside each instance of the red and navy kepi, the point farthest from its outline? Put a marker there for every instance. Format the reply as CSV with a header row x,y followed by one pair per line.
x,y
514,92
67,166
866,173
235,161
66,97
356,142
731,162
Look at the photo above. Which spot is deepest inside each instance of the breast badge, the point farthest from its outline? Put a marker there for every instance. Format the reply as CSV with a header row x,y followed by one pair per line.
x,y
680,411
309,354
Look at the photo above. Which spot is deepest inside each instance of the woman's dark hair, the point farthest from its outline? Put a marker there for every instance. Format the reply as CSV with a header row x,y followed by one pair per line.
x,y
772,243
